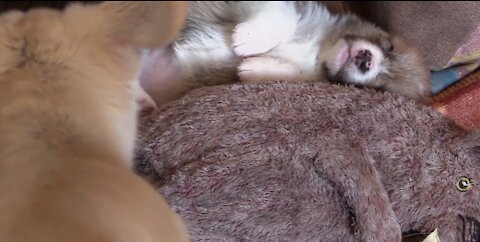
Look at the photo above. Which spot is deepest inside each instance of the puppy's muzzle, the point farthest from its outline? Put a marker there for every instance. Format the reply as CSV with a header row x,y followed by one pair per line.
x,y
363,60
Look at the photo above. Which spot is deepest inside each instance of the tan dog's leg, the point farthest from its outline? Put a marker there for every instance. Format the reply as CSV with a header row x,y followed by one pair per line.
x,y
68,122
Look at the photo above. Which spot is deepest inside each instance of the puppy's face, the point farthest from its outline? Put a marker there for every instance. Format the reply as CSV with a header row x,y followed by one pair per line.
x,y
357,60
369,57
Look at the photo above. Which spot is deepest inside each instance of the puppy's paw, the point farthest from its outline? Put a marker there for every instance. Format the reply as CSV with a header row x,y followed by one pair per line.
x,y
261,34
146,102
267,69
142,99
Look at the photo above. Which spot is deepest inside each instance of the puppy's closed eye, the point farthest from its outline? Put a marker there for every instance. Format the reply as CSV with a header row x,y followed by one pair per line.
x,y
386,44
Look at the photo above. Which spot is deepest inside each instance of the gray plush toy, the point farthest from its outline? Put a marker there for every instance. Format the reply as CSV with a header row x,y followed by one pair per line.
x,y
311,162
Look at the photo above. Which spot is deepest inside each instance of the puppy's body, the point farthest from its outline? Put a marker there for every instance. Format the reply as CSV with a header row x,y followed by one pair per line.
x,y
289,41
68,124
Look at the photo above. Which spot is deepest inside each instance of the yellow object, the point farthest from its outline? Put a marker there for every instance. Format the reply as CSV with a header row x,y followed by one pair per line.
x,y
433,237
464,184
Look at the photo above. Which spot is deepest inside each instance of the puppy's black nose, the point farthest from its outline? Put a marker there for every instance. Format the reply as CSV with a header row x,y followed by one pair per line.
x,y
363,60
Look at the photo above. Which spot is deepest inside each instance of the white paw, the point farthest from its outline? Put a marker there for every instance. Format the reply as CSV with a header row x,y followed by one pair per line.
x,y
267,69
262,33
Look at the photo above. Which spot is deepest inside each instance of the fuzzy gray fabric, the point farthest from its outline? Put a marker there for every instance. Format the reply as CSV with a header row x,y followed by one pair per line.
x,y
311,162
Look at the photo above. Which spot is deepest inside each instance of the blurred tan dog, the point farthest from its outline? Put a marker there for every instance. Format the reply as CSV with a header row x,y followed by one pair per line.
x,y
68,124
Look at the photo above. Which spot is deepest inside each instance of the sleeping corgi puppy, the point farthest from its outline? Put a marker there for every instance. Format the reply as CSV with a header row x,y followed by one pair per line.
x,y
224,42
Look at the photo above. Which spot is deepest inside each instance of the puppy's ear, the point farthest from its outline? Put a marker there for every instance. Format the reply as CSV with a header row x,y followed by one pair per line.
x,y
409,75
411,86
145,24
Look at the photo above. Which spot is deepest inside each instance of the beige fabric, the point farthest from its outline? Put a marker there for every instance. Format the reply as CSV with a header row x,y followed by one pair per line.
x,y
438,28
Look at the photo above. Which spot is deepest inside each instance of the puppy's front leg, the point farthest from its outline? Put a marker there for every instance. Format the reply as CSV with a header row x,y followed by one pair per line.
x,y
276,23
142,98
268,69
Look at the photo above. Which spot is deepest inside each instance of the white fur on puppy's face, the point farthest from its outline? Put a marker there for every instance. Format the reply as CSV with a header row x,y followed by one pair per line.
x,y
343,55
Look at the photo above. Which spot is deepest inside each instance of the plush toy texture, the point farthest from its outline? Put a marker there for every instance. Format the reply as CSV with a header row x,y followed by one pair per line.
x,y
311,162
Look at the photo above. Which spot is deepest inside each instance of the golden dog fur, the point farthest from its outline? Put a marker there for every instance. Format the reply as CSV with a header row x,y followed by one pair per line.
x,y
68,124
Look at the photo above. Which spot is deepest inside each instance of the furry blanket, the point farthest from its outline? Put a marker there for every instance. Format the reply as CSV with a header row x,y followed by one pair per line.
x,y
311,162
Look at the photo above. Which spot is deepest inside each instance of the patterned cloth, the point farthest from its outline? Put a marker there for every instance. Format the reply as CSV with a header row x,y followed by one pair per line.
x,y
464,62
459,102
